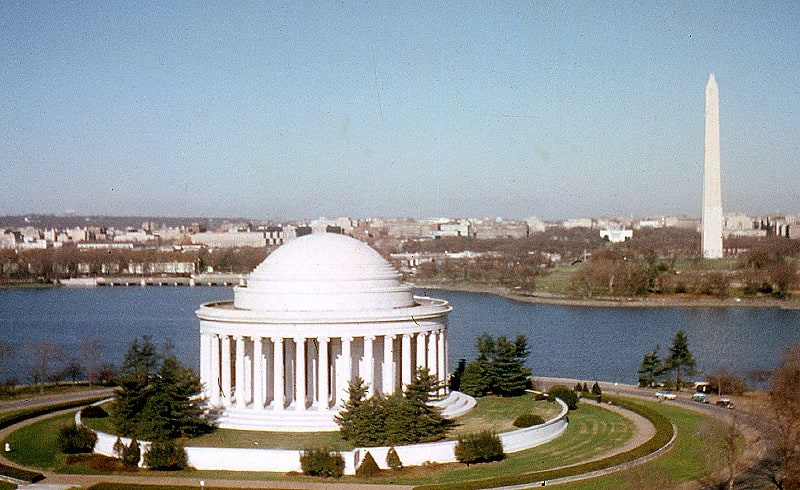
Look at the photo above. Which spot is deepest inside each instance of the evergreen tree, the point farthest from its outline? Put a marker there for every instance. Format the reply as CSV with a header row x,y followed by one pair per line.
x,y
596,391
455,376
138,369
680,358
499,367
170,412
511,377
477,378
651,368
428,424
153,400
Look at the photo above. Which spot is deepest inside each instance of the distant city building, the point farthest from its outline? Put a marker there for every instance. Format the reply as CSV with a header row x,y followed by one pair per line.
x,y
616,236
230,240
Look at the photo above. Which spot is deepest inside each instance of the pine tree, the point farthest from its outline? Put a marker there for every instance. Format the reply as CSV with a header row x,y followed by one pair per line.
x,y
511,377
428,423
138,369
154,399
680,358
596,391
651,368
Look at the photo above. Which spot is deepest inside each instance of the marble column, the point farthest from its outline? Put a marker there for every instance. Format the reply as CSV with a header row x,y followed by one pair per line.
x,y
369,364
433,367
240,394
420,352
324,380
343,378
278,399
205,362
406,361
258,373
226,370
300,373
388,365
214,373
442,341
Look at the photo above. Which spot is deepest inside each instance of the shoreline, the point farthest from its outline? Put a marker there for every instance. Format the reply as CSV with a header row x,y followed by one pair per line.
x,y
561,300
606,302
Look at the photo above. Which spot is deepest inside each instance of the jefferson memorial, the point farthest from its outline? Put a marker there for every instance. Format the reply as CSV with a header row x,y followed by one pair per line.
x,y
318,312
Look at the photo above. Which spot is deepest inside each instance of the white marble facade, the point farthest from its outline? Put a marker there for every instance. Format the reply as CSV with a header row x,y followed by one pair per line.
x,y
319,311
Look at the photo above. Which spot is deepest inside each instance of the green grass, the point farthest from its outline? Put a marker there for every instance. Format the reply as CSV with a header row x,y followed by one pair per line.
x,y
557,279
697,452
36,445
592,432
7,486
498,414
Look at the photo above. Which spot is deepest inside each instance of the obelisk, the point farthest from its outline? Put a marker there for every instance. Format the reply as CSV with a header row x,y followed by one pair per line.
x,y
712,185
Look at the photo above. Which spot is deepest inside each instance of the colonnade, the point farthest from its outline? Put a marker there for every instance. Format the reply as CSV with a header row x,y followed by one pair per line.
x,y
312,373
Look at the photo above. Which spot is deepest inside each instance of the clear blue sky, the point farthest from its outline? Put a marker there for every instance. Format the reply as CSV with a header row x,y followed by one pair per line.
x,y
293,110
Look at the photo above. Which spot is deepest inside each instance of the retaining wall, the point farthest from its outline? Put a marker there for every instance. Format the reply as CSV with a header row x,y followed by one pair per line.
x,y
283,460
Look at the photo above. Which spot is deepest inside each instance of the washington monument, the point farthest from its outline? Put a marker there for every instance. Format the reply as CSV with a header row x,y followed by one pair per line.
x,y
712,193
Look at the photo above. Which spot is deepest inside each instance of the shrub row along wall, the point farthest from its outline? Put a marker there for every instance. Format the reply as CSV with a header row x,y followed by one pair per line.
x,y
282,460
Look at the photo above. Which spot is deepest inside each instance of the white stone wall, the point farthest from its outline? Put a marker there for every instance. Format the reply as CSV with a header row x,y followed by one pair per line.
x,y
282,461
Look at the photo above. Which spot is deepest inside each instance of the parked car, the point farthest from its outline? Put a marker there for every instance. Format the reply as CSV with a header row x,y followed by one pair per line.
x,y
665,395
725,402
700,398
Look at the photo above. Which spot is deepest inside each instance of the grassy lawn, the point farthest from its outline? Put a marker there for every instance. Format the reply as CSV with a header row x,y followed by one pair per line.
x,y
557,280
592,432
36,445
697,452
497,414
7,486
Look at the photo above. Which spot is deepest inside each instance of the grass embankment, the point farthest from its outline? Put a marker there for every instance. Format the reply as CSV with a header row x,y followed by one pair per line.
x,y
14,416
698,451
592,432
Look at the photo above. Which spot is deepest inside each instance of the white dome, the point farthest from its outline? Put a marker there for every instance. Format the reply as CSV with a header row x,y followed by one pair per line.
x,y
323,272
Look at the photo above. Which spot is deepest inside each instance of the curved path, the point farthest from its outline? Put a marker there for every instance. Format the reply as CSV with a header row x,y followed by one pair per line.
x,y
644,431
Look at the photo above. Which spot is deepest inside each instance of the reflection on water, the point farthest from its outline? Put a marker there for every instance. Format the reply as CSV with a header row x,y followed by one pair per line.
x,y
580,342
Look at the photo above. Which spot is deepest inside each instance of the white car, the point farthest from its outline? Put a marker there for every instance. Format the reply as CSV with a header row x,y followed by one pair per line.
x,y
665,395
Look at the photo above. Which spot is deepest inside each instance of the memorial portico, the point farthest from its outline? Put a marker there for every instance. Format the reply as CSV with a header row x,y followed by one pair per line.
x,y
318,312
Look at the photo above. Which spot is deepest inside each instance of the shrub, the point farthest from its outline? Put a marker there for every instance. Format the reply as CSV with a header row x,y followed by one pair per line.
x,y
131,454
119,448
566,395
74,439
482,447
528,420
322,462
93,412
596,391
368,467
578,387
165,455
393,459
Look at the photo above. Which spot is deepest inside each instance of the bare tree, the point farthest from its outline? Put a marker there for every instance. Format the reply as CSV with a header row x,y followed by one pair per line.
x,y
6,354
784,427
43,355
91,350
